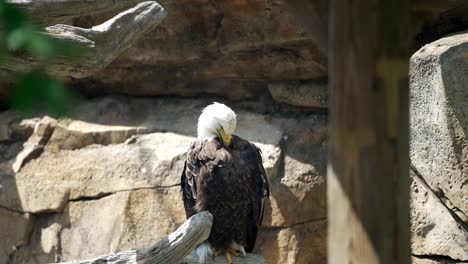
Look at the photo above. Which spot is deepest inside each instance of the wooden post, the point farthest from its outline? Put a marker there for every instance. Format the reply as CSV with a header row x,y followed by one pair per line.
x,y
367,191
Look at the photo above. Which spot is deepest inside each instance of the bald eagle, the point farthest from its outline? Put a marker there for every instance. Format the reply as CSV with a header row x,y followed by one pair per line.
x,y
223,174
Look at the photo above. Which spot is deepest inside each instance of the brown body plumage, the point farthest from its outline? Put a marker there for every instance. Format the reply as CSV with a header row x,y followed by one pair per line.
x,y
229,182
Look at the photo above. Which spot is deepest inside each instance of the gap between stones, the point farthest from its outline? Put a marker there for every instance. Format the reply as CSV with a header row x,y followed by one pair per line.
x,y
439,258
103,195
40,140
12,210
453,214
47,214
273,228
84,199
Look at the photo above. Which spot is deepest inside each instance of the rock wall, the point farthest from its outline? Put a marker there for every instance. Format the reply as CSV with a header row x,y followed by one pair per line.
x,y
107,179
231,48
439,150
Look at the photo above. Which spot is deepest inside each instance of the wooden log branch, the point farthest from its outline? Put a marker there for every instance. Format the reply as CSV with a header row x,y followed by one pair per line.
x,y
50,12
100,44
171,249
174,248
249,259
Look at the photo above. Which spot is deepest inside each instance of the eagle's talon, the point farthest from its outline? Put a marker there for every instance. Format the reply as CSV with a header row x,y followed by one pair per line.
x,y
235,252
228,257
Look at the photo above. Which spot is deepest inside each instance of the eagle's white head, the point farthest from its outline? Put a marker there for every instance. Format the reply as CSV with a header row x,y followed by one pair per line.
x,y
217,120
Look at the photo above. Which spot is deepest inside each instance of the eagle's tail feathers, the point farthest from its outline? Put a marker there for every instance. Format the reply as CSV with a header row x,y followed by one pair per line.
x,y
204,251
238,247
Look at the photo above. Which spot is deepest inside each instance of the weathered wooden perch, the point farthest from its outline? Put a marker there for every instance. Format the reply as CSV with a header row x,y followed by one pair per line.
x,y
101,44
249,259
174,248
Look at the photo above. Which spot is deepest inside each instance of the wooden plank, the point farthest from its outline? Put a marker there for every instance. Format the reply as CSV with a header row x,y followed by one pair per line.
x,y
367,185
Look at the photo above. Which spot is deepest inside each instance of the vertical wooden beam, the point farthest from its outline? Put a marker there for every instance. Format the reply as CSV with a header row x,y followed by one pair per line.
x,y
368,200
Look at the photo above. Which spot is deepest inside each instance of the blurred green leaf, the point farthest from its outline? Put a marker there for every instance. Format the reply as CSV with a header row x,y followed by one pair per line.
x,y
37,88
18,34
16,39
58,98
11,17
28,91
3,48
31,40
41,45
71,50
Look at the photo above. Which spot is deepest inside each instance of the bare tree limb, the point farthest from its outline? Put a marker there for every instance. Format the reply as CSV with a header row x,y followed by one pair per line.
x,y
50,12
101,44
249,259
173,248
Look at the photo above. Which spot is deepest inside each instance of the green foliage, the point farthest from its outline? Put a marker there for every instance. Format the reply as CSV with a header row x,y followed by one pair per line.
x,y
37,87
19,36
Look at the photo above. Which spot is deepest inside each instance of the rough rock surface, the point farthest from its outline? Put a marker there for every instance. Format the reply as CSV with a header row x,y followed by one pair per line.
x,y
303,94
433,260
439,150
108,180
228,48
14,233
435,230
439,118
301,243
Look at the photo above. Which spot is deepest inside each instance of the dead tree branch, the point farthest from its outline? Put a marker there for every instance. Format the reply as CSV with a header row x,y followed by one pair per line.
x,y
174,248
171,249
249,259
101,44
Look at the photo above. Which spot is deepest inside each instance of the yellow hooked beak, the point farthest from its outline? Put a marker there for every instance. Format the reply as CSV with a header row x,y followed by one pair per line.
x,y
226,138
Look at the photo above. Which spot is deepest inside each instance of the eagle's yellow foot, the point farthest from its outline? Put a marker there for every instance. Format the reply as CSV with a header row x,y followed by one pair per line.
x,y
228,254
234,252
228,257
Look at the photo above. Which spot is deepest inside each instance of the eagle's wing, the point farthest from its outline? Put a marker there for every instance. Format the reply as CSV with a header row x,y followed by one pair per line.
x,y
263,183
253,158
200,162
188,179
